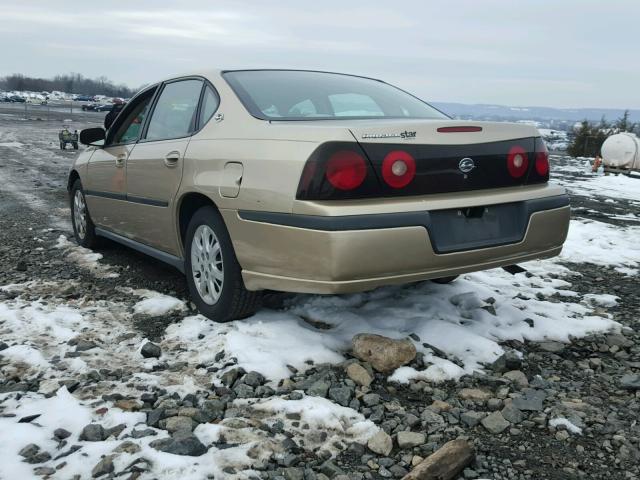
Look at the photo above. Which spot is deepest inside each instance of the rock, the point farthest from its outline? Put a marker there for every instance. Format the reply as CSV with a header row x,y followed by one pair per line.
x,y
127,447
410,439
630,382
471,418
21,266
180,445
128,405
147,432
319,389
475,395
29,450
39,457
340,395
509,360
44,471
211,410
495,423
551,347
150,350
445,464
512,414
178,424
154,416
229,377
439,406
93,433
359,374
103,467
381,443
61,434
432,421
84,345
517,377
253,379
371,399
530,400
3,346
384,354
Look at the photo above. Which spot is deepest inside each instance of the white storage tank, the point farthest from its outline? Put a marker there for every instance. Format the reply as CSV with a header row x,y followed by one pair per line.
x,y
622,150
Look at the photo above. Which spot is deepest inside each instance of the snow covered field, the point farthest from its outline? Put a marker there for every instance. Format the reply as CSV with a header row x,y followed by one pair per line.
x,y
71,357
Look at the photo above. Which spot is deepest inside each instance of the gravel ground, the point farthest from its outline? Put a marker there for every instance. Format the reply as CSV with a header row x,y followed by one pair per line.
x,y
557,411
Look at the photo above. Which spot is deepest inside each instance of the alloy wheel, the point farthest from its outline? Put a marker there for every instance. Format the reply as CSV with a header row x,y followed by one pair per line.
x,y
206,264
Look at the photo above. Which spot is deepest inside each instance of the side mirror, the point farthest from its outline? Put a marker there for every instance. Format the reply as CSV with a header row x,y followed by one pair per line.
x,y
89,136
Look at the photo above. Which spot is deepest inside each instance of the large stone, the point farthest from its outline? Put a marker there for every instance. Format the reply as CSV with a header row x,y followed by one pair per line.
x,y
359,374
475,395
512,414
630,382
150,350
180,445
93,433
495,422
517,377
103,467
178,424
472,418
381,443
509,360
340,395
530,400
383,353
432,421
445,464
319,389
410,439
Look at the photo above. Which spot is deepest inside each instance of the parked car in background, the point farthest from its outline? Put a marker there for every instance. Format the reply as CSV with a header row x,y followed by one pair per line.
x,y
17,99
311,182
88,106
83,98
104,107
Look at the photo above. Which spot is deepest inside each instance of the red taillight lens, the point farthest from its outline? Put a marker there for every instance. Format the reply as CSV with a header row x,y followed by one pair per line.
x,y
542,161
398,169
346,170
459,129
517,161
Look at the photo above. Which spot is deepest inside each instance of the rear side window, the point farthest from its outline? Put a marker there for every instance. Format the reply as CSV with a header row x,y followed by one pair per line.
x,y
174,116
210,102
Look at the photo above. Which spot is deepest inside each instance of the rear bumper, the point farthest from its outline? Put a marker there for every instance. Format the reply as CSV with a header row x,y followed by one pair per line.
x,y
341,254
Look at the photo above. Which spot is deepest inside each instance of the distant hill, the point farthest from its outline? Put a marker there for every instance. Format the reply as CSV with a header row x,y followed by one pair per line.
x,y
544,114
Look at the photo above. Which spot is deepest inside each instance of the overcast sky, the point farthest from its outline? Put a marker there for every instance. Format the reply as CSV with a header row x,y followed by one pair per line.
x,y
568,53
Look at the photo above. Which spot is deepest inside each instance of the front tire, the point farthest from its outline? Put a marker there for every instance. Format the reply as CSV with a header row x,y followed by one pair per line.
x,y
83,228
213,273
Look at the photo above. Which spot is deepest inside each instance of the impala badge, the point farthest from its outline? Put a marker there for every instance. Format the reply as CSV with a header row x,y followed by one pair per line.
x,y
466,165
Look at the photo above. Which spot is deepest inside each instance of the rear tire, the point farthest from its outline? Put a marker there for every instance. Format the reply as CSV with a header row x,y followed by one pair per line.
x,y
213,273
444,280
83,228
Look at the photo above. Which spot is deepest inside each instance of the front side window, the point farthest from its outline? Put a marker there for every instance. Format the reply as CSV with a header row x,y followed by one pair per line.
x,y
129,129
174,115
303,95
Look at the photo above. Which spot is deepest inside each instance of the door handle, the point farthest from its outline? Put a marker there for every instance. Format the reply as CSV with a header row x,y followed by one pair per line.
x,y
120,160
171,159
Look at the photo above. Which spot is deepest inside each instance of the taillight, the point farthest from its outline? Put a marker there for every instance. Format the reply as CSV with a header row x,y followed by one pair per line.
x,y
542,159
540,171
398,169
338,171
346,170
517,161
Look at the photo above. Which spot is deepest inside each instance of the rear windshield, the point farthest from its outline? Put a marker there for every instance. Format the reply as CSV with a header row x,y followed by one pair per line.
x,y
300,95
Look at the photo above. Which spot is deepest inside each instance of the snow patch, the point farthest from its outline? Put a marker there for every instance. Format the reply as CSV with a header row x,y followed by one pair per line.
x,y
556,422
85,258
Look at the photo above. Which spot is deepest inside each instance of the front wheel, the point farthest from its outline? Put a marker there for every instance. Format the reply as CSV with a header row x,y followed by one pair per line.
x,y
213,273
83,227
